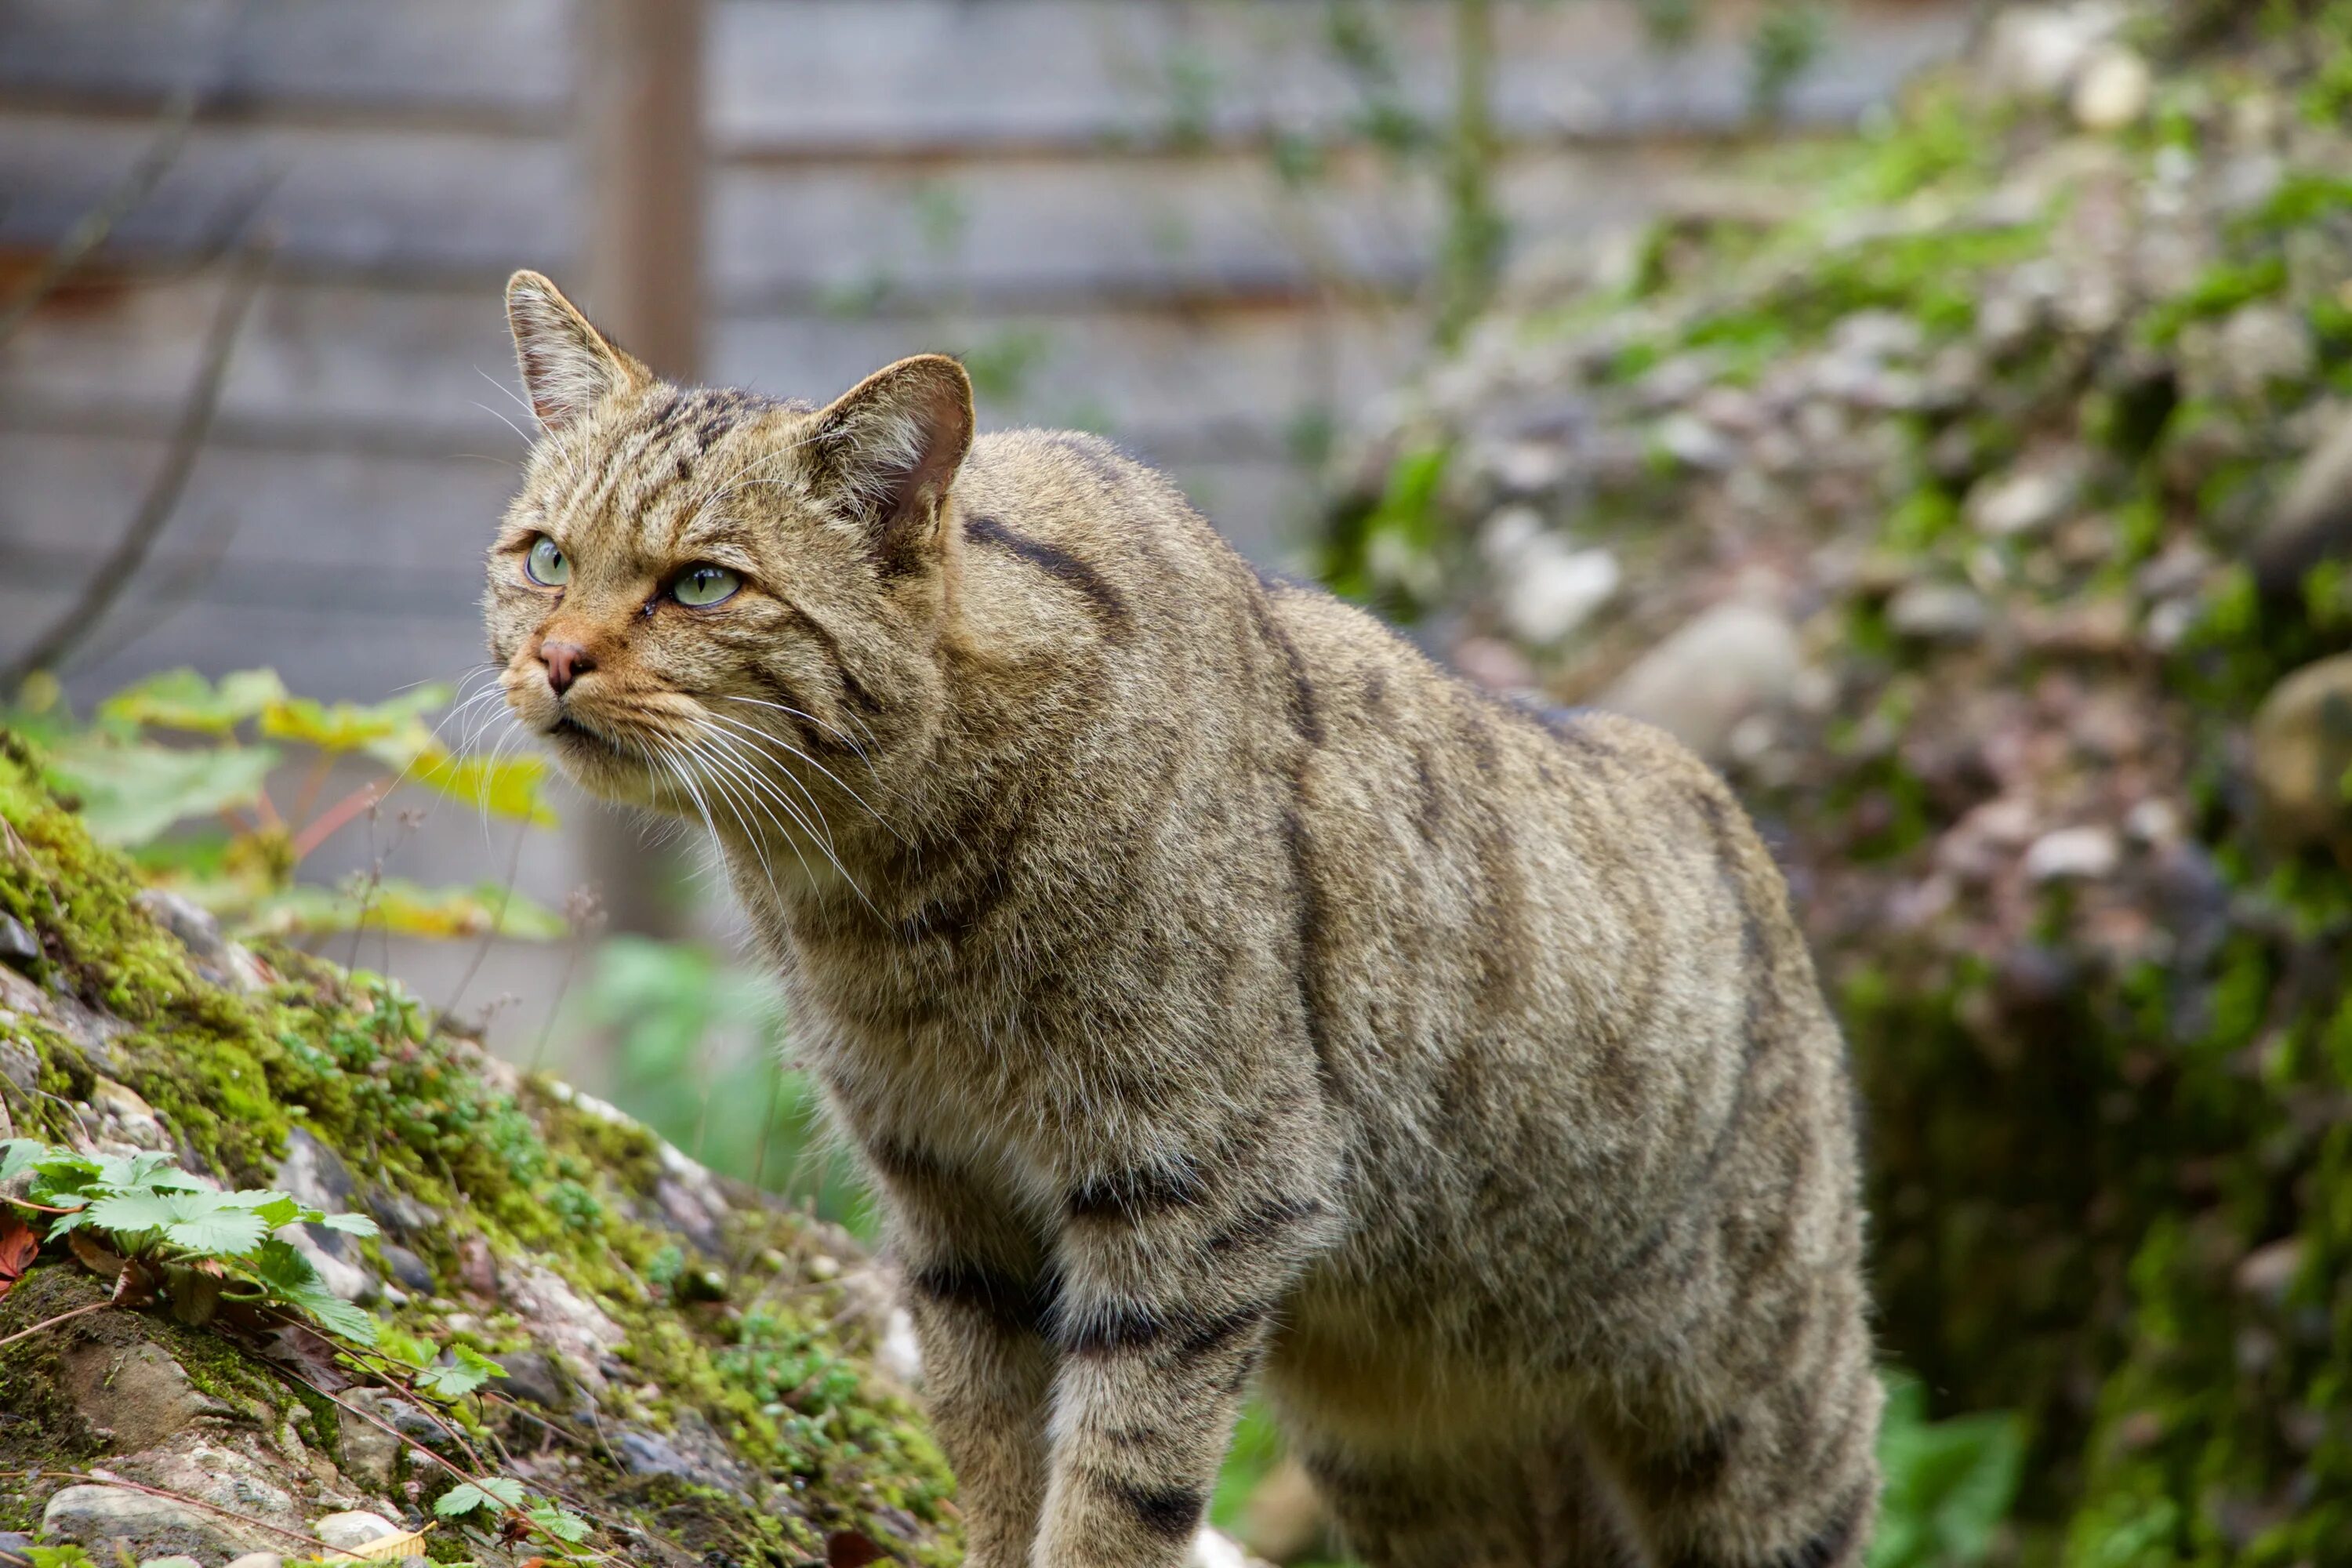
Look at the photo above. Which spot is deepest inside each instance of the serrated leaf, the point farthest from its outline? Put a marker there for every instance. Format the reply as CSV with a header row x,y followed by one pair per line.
x,y
131,792
183,700
351,1224
279,1210
132,1211
19,1155
336,1315
452,1382
562,1523
216,1230
282,1269
490,1492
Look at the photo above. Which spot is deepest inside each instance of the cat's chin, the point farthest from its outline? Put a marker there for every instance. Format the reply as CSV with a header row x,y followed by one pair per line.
x,y
603,768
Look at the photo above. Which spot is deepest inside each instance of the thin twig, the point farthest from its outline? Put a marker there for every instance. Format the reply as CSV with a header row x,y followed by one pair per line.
x,y
53,1322
108,1478
164,492
133,188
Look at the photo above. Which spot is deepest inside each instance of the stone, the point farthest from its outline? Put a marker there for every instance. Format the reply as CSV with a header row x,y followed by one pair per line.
x,y
1692,441
2313,520
214,957
1939,612
2038,49
2261,343
2024,500
258,1560
575,1326
2302,749
2111,90
350,1531
369,1454
110,1521
2074,854
125,1118
1729,661
1556,589
18,945
182,1562
531,1375
15,1544
136,1396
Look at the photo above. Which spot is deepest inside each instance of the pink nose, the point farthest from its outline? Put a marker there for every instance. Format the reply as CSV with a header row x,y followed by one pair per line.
x,y
566,662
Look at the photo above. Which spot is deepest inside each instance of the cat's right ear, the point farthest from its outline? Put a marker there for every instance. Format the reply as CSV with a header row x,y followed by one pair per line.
x,y
568,366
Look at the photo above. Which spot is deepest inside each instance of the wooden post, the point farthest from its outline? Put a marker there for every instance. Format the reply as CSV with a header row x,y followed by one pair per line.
x,y
638,96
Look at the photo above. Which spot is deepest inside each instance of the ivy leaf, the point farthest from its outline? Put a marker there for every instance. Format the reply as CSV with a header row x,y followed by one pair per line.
x,y
490,1492
351,1224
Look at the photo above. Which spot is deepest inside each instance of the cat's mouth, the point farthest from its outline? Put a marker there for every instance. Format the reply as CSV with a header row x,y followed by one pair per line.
x,y
569,731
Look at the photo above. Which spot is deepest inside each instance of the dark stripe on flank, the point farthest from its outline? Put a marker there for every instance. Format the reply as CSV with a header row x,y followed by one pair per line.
x,y
1120,1194
1016,1303
1171,1513
1055,562
1264,1222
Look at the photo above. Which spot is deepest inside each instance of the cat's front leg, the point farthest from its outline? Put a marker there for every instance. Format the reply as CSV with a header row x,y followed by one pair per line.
x,y
1170,1282
981,1293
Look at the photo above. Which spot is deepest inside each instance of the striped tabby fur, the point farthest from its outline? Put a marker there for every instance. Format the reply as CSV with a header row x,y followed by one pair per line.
x,y
1221,993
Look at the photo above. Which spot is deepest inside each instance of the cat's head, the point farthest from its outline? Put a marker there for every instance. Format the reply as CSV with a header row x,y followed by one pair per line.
x,y
709,601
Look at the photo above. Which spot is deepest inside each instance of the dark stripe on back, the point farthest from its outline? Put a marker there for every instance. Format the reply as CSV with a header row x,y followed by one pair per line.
x,y
1055,563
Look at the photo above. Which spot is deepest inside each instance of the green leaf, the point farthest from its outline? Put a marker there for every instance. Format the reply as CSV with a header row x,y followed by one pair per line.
x,y
560,1523
452,1382
352,1224
490,1492
278,1210
351,726
131,792
406,910
67,1556
282,1269
183,700
336,1315
132,1212
508,787
19,1155
217,1228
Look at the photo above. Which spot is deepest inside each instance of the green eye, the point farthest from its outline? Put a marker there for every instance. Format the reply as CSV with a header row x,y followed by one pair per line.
x,y
703,585
546,564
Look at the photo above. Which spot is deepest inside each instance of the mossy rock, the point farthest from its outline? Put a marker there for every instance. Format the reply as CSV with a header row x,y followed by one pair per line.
x,y
665,1311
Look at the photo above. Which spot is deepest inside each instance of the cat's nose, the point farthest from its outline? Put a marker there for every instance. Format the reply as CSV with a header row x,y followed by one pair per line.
x,y
566,662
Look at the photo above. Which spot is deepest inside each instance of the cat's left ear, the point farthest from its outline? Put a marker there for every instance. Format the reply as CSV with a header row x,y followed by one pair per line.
x,y
892,444
568,366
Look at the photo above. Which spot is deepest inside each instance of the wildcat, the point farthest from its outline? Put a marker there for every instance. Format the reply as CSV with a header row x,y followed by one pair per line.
x,y
1218,990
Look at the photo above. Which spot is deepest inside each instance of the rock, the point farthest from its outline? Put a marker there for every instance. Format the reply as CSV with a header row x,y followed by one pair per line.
x,y
559,1315
369,1454
2024,500
411,1272
693,1452
2111,89
2261,343
2268,1272
2302,749
1939,612
110,1521
348,1531
170,1562
124,1118
315,1173
16,1545
1556,590
136,1396
258,1560
18,945
1690,440
2074,854
2038,49
216,958
1726,663
2315,520
531,1375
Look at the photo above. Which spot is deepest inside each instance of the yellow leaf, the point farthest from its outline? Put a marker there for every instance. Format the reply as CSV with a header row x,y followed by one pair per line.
x,y
385,1549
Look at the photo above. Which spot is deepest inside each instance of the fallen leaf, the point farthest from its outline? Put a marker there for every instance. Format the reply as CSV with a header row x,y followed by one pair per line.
x,y
17,1246
385,1549
95,1255
848,1549
303,1352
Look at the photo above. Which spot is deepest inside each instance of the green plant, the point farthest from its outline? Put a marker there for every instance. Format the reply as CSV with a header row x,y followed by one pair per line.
x,y
1948,1484
135,789
166,1232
